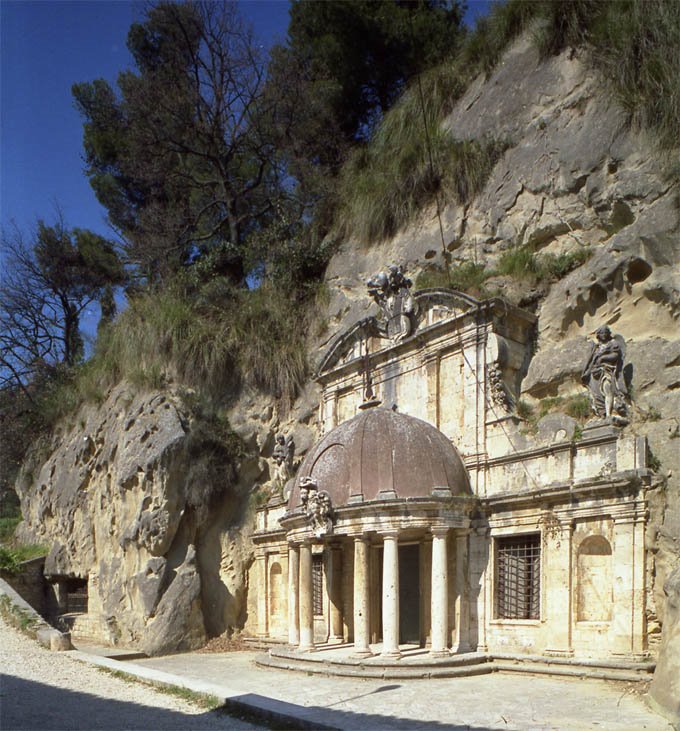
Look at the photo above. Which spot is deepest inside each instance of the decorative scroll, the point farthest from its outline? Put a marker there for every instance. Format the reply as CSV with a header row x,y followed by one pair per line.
x,y
317,506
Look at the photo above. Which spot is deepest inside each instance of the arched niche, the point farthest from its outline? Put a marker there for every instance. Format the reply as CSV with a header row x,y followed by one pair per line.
x,y
594,580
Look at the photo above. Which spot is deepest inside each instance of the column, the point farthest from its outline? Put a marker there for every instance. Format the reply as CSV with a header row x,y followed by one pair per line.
x,y
336,594
306,598
390,589
293,594
261,564
362,625
440,592
462,607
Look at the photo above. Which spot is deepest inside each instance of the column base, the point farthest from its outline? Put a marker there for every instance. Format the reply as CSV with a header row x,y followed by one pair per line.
x,y
391,654
337,640
361,654
306,648
439,653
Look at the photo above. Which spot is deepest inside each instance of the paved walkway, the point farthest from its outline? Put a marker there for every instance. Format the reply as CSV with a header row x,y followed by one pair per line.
x,y
495,701
50,691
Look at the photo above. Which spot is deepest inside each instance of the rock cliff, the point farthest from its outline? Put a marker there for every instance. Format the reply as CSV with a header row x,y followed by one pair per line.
x,y
115,496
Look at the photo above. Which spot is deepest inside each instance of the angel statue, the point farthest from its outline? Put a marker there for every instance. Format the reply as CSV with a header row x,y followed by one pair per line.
x,y
603,376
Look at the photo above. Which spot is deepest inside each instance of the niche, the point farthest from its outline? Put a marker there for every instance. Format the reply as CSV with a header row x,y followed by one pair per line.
x,y
594,580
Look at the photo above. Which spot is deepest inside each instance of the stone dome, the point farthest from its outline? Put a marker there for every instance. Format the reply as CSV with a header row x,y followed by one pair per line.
x,y
380,454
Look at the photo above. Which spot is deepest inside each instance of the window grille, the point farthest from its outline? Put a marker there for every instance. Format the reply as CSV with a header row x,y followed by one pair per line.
x,y
518,577
317,583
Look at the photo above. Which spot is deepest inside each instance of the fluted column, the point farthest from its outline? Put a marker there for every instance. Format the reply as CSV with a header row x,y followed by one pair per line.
x,y
362,625
390,589
293,594
306,598
336,593
440,592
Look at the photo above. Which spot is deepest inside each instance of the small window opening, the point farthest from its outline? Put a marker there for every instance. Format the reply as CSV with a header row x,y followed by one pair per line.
x,y
518,577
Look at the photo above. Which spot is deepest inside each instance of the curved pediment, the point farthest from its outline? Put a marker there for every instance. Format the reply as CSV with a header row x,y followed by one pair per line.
x,y
431,306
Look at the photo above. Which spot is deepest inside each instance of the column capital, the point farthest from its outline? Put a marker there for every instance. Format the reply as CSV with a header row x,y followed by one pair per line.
x,y
390,534
363,537
440,531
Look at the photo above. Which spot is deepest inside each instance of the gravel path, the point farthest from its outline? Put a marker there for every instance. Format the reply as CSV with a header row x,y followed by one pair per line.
x,y
49,691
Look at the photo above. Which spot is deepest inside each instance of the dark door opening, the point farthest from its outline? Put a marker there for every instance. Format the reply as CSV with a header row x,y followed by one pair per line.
x,y
409,594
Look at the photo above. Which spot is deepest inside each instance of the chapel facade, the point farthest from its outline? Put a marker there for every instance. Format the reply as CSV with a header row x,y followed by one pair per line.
x,y
425,515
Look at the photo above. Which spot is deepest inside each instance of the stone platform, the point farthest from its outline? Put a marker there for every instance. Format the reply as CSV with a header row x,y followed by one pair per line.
x,y
416,662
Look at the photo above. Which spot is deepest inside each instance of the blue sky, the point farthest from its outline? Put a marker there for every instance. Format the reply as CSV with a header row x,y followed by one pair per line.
x,y
45,47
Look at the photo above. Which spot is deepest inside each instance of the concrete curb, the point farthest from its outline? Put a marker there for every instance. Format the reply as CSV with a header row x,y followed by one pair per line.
x,y
46,635
282,714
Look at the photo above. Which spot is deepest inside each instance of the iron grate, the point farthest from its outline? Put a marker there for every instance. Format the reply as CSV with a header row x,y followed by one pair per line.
x,y
518,582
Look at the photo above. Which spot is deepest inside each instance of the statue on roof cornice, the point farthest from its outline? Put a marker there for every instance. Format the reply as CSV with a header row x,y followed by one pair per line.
x,y
390,290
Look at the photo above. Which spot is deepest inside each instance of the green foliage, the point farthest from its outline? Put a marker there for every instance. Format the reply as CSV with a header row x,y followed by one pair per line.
x,y
7,528
634,43
522,263
578,407
525,410
386,184
464,277
211,337
17,616
12,557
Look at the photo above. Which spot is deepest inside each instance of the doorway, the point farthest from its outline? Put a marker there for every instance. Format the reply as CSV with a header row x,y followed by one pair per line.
x,y
409,594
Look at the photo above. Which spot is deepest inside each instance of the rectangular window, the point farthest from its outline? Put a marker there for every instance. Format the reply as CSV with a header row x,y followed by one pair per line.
x,y
518,577
317,583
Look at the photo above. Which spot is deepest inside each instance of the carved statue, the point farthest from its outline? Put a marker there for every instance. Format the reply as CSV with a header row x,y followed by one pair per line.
x,y
283,454
603,376
390,291
317,506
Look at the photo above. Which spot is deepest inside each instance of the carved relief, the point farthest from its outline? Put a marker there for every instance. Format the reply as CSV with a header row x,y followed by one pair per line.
x,y
317,506
497,391
391,292
603,376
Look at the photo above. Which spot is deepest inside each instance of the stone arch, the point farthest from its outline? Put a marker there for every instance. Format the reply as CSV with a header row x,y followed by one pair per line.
x,y
594,580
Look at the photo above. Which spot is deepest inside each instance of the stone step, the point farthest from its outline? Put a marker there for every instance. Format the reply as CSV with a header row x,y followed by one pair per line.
x,y
570,672
643,669
384,671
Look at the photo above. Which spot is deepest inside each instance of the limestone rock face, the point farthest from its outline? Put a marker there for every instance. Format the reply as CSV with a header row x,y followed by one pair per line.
x,y
115,502
665,688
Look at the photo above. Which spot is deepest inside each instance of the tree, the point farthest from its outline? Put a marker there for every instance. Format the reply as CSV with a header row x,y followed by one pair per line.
x,y
344,65
180,157
44,287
